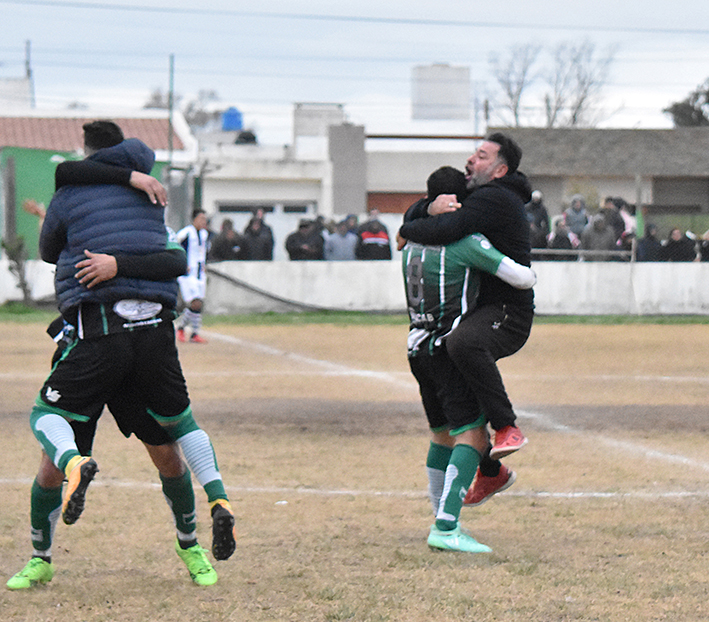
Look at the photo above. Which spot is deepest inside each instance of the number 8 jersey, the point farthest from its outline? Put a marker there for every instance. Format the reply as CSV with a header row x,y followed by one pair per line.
x,y
443,282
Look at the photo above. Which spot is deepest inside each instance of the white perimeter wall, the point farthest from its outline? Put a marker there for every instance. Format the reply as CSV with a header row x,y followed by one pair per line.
x,y
564,288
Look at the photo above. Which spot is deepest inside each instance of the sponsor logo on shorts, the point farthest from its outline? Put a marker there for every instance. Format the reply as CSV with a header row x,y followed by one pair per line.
x,y
52,395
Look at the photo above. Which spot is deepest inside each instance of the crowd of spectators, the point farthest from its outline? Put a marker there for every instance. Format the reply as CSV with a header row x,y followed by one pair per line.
x,y
609,234
345,240
314,239
606,234
254,244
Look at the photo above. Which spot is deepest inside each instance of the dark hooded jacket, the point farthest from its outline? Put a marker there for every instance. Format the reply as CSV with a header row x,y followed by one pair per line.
x,y
496,210
106,219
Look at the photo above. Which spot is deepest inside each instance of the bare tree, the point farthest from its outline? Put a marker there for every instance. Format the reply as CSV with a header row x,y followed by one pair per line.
x,y
575,75
160,100
590,75
514,75
197,110
559,80
575,82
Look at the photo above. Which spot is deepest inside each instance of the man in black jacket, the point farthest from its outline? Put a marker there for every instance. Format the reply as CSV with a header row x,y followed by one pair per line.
x,y
501,322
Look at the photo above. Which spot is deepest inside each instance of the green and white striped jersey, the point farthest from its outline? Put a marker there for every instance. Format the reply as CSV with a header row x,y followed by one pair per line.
x,y
442,285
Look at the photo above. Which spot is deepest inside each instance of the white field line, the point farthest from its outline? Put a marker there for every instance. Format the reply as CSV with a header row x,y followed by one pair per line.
x,y
542,420
341,370
620,447
328,367
331,368
394,494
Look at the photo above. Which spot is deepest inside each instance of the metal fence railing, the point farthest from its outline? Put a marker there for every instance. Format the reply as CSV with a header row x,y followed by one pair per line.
x,y
561,254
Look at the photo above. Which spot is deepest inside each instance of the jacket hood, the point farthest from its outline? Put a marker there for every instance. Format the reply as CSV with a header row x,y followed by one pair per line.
x,y
131,153
516,182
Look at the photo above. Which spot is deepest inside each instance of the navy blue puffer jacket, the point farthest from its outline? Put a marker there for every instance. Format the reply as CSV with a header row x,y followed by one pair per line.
x,y
106,219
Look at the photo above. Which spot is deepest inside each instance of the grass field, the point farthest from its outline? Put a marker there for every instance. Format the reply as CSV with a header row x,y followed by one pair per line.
x,y
321,440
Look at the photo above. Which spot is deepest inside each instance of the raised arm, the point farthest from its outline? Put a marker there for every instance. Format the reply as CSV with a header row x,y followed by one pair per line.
x,y
92,172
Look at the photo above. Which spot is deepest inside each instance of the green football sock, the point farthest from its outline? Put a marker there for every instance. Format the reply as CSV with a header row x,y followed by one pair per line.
x,y
45,507
459,475
436,465
179,495
198,451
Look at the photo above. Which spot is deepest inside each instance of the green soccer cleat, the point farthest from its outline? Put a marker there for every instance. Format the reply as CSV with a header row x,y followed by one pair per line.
x,y
79,479
37,571
455,540
197,564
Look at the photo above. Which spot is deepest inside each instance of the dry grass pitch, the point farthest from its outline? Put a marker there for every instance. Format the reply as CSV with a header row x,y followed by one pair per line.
x,y
321,441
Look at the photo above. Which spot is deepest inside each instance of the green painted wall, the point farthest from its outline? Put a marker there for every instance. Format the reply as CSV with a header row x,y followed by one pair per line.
x,y
34,179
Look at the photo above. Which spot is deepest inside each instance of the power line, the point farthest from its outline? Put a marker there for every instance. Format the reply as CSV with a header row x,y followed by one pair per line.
x,y
366,19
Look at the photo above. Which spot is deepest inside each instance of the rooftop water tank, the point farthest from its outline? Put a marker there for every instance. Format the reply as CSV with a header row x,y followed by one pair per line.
x,y
232,120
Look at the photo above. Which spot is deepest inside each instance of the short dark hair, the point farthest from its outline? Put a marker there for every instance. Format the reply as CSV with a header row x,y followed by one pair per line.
x,y
619,202
101,134
446,180
197,212
510,151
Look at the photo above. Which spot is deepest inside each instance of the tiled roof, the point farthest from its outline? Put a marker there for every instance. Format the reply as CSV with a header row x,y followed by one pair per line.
x,y
65,134
681,152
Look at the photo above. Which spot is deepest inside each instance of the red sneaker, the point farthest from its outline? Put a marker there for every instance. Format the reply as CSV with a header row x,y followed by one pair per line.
x,y
507,440
484,487
181,335
197,339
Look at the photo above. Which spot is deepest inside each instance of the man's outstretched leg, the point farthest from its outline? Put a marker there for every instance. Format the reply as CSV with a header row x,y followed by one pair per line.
x,y
488,334
179,494
446,533
202,461
45,507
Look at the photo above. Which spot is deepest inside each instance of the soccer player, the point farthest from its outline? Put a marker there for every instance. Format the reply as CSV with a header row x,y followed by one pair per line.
x,y
501,322
121,347
193,285
442,284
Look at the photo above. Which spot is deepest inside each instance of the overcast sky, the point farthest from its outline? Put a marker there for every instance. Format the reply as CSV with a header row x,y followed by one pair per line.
x,y
263,57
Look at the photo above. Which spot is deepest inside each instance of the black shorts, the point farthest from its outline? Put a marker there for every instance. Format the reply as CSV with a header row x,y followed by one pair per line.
x,y
447,400
136,374
131,416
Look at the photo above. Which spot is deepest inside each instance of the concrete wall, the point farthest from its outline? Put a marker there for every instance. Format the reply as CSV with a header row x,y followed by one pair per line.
x,y
564,288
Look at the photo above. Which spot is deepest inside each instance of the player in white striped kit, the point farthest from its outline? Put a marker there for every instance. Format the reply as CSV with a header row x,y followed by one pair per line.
x,y
194,238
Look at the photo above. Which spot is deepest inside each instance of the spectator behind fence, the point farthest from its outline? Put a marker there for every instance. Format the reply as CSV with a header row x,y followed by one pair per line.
x,y
678,247
305,243
258,239
627,213
704,247
227,245
576,216
611,212
373,239
352,223
649,247
538,220
340,245
598,235
562,239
